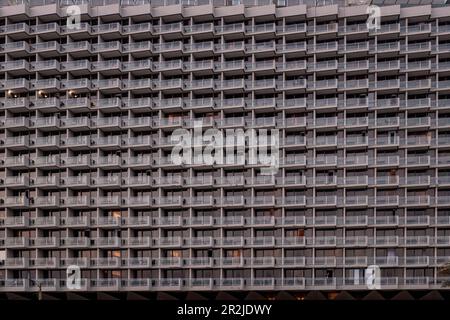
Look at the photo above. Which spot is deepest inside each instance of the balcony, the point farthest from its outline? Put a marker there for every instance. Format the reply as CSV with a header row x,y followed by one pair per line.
x,y
13,263
16,202
78,84
326,103
15,47
416,220
45,84
137,28
443,140
356,103
76,202
169,201
417,241
228,48
105,47
176,27
106,28
233,200
418,65
294,141
356,180
77,221
294,200
262,47
46,201
355,84
323,85
387,65
387,241
113,242
388,160
354,65
171,84
356,200
108,201
356,122
76,47
107,142
293,47
170,284
323,180
16,181
107,221
356,160
418,28
200,221
262,103
45,47
230,28
15,103
46,181
15,84
260,28
139,65
294,180
261,84
109,65
386,200
356,140
168,47
386,84
200,84
167,65
326,140
387,141
21,27
16,142
421,200
139,201
83,27
388,46
45,122
81,262
386,220
15,122
198,47
325,122
417,47
141,48
177,180
110,84
14,65
49,141
418,180
323,242
260,201
356,220
419,84
170,242
135,181
14,222
233,84
388,103
45,242
202,201
51,262
199,28
295,122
